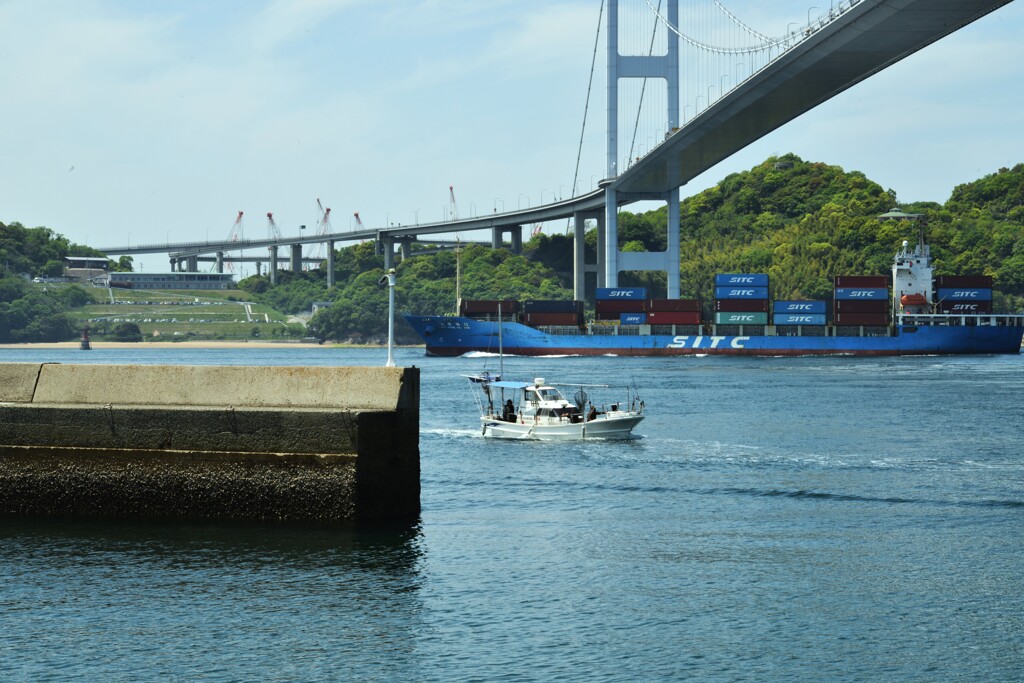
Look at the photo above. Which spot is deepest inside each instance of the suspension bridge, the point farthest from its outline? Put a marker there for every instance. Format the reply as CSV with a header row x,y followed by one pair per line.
x,y
695,82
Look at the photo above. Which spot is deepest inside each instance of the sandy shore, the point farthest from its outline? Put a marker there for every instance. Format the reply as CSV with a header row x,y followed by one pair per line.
x,y
186,345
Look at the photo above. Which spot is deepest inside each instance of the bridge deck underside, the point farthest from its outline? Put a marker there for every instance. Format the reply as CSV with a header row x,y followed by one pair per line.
x,y
868,38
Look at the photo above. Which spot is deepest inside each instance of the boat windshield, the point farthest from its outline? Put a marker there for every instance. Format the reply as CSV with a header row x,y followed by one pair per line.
x,y
549,394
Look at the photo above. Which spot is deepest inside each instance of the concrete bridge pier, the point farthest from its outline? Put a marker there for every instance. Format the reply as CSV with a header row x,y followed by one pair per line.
x,y
220,261
193,264
272,266
296,258
330,264
580,267
667,260
515,237
174,264
386,246
405,247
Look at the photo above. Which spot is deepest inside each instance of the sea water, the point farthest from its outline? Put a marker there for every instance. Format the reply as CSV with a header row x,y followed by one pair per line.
x,y
807,519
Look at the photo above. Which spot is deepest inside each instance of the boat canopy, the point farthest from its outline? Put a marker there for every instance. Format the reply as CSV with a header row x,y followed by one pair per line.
x,y
510,385
496,381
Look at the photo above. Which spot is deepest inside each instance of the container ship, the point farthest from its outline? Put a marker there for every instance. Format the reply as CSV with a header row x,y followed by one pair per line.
x,y
911,313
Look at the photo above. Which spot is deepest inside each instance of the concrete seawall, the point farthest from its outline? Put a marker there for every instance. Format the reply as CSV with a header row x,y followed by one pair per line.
x,y
222,442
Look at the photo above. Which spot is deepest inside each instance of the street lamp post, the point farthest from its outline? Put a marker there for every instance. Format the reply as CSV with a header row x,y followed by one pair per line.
x,y
520,200
496,200
389,280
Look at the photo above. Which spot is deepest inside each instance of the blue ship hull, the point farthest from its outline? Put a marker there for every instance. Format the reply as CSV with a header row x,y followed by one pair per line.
x,y
454,336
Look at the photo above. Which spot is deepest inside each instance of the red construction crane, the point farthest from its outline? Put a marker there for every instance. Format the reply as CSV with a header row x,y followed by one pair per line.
x,y
453,208
323,228
359,221
273,232
235,235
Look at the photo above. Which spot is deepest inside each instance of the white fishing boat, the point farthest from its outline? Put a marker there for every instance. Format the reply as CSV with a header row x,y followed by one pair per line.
x,y
537,410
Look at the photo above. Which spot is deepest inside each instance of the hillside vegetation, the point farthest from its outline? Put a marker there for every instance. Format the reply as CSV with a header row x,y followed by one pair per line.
x,y
801,222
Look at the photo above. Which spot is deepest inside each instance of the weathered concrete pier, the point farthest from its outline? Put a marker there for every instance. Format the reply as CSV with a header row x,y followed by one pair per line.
x,y
215,442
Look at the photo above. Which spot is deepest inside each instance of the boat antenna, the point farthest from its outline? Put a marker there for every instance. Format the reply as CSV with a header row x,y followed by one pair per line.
x,y
501,348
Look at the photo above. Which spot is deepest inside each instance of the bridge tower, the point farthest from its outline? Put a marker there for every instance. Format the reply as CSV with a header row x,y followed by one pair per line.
x,y
664,66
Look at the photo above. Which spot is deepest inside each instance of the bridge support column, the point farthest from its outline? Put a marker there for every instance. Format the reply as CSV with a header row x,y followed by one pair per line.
x,y
174,264
193,264
272,267
579,266
330,264
496,234
220,261
387,246
672,244
296,258
405,247
611,239
516,235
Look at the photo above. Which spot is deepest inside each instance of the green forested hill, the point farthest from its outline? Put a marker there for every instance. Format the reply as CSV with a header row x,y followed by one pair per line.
x,y
807,223
801,222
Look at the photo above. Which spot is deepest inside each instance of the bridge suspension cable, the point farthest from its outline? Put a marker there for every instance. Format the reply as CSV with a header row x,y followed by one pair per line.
x,y
766,43
586,105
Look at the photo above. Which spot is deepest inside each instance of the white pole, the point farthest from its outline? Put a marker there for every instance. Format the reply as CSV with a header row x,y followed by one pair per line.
x,y
391,319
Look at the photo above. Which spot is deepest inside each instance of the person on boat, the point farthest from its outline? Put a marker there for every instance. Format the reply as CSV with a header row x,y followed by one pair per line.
x,y
509,413
592,414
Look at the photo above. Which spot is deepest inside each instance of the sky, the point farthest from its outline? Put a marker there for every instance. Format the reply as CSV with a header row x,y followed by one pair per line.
x,y
130,122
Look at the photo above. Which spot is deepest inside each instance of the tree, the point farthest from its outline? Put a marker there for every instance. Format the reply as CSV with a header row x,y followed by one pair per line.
x,y
127,332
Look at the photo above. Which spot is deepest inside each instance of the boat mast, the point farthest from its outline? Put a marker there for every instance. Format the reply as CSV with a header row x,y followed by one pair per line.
x,y
501,356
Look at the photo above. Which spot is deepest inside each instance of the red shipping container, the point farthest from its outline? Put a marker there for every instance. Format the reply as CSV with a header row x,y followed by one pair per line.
x,y
965,307
667,305
535,319
862,281
617,306
970,281
861,306
873,319
673,318
741,305
481,306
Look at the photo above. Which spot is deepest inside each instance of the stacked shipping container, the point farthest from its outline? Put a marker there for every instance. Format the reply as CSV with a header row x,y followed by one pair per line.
x,y
741,299
487,309
537,312
799,312
861,300
968,294
673,311
622,304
